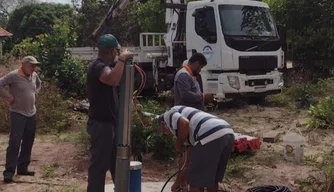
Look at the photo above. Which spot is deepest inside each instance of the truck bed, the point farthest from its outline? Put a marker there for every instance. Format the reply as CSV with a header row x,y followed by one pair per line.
x,y
148,46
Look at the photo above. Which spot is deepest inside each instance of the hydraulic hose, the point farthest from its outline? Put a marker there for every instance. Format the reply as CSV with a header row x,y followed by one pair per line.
x,y
184,164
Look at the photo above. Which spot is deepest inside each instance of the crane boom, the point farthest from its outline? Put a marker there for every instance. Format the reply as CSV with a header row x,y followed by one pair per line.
x,y
115,10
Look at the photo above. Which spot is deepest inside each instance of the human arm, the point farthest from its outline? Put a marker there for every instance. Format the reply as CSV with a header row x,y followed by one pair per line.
x,y
38,84
182,134
181,178
113,76
183,84
5,81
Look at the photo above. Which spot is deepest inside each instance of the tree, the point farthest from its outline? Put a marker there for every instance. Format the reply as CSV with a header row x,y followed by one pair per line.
x,y
152,16
310,26
88,19
33,19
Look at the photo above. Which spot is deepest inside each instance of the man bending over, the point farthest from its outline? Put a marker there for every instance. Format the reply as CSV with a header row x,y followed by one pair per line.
x,y
211,139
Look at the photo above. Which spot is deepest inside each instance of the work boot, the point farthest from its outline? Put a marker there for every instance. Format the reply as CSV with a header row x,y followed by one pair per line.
x,y
26,173
7,178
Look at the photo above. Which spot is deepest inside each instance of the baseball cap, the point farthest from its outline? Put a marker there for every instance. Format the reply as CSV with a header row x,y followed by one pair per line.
x,y
108,41
30,59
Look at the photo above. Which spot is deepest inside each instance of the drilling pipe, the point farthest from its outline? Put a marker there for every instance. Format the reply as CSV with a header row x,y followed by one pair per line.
x,y
122,182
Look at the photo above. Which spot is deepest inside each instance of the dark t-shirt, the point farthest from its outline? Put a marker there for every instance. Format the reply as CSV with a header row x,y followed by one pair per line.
x,y
103,98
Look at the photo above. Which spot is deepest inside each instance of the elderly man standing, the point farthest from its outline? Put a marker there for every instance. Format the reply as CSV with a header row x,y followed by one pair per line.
x,y
23,84
102,82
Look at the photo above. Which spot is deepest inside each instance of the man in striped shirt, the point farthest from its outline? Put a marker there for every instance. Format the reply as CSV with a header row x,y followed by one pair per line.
x,y
211,139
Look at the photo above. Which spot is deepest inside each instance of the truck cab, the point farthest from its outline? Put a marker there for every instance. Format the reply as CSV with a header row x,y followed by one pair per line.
x,y
241,43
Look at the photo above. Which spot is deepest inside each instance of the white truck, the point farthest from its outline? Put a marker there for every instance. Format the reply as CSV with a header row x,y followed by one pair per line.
x,y
239,38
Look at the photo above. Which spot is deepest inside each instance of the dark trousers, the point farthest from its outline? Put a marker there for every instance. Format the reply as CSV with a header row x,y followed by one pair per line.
x,y
102,153
22,129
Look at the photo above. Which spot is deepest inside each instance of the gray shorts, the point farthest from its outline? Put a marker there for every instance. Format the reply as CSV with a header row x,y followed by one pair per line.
x,y
208,162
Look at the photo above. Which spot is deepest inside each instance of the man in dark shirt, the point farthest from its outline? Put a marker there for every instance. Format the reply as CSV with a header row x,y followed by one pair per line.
x,y
187,90
102,82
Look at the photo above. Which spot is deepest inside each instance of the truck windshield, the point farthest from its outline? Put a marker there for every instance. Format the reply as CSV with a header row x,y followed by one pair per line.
x,y
240,20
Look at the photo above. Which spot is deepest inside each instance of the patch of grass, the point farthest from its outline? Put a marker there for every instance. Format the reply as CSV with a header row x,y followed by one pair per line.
x,y
267,158
320,184
81,141
79,138
236,167
49,170
50,188
303,95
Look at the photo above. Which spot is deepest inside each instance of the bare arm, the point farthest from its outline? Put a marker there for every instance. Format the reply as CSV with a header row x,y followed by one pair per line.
x,y
182,133
38,83
5,81
113,76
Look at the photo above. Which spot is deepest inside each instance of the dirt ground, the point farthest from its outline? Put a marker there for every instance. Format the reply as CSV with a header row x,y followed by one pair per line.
x,y
59,168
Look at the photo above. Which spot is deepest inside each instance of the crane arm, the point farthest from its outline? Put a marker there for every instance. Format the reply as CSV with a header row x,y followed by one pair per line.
x,y
115,10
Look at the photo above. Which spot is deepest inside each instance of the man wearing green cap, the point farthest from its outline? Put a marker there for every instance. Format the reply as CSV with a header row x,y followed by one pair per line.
x,y
102,81
23,84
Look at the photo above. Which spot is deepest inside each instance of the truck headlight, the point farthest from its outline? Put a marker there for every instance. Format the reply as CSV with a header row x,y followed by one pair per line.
x,y
282,59
234,82
281,80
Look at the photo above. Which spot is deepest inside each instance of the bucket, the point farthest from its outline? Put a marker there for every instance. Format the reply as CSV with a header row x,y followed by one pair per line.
x,y
293,147
135,176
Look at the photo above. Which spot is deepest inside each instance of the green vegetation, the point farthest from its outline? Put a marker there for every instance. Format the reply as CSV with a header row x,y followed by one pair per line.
x,y
52,113
316,97
146,139
310,30
324,183
49,170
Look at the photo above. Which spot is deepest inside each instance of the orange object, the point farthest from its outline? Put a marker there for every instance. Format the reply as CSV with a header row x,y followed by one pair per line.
x,y
190,71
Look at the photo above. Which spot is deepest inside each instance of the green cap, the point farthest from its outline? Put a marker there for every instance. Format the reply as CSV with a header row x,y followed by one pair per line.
x,y
108,41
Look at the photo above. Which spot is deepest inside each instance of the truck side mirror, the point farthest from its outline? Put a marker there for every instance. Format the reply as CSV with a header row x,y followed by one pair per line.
x,y
282,34
194,13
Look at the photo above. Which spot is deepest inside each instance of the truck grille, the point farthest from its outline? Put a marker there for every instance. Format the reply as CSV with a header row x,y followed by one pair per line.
x,y
257,63
257,82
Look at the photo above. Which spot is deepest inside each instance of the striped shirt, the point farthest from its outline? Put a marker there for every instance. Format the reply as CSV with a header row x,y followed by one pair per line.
x,y
204,126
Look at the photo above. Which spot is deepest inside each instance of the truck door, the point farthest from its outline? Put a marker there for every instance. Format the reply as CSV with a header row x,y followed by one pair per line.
x,y
202,35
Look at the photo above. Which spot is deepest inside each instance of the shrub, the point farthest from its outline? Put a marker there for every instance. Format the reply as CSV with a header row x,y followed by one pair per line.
x,y
145,139
4,118
304,95
163,147
57,63
7,60
52,114
322,115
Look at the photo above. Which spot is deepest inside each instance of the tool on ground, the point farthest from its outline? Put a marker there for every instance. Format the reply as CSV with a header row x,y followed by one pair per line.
x,y
269,188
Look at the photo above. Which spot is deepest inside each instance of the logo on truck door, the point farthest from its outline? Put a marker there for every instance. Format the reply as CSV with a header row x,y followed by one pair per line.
x,y
208,52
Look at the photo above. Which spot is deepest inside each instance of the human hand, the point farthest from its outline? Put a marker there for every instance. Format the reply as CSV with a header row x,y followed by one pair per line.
x,y
125,55
208,97
175,186
180,148
11,101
